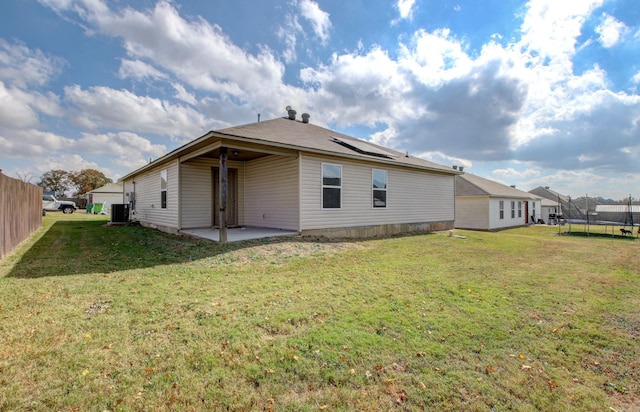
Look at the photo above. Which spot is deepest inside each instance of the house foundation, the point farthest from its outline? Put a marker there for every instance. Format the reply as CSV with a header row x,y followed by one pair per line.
x,y
378,230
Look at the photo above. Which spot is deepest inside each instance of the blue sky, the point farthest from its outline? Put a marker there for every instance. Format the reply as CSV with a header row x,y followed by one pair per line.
x,y
543,92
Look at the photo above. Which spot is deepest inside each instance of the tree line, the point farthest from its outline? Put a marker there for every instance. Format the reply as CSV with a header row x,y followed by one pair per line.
x,y
61,181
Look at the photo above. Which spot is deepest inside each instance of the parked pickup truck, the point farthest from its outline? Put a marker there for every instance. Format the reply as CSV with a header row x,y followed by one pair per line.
x,y
50,203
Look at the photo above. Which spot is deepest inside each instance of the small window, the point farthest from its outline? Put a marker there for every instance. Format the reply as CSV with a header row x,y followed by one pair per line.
x,y
163,189
331,186
502,209
519,209
379,183
513,209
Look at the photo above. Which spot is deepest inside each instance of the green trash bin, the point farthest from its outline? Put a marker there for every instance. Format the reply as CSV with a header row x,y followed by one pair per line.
x,y
89,208
97,208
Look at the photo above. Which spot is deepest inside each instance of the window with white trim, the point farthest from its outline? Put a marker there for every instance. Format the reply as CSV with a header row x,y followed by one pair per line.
x,y
513,209
331,186
519,209
379,187
502,209
163,189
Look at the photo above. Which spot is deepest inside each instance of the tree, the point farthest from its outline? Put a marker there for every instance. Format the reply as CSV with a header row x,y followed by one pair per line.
x,y
57,181
88,179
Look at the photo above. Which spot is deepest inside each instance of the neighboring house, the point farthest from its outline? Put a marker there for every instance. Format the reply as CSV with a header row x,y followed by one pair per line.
x,y
483,204
292,175
550,209
109,194
552,195
621,214
565,207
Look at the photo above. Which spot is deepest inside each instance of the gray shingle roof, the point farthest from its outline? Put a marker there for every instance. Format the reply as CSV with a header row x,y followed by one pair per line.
x,y
307,136
472,185
549,194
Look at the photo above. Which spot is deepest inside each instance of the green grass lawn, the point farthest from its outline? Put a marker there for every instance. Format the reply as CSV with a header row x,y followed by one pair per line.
x,y
126,318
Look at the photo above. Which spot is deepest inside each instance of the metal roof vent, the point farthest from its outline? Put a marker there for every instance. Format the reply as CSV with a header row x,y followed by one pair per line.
x,y
291,113
461,168
305,117
455,167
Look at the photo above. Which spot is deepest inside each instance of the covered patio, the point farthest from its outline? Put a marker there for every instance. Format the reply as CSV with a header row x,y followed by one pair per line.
x,y
238,234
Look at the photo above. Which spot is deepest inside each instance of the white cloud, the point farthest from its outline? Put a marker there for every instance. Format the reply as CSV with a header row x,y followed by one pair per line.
x,y
182,94
610,30
120,109
636,77
444,159
435,58
124,149
511,173
15,111
33,144
23,71
569,182
195,51
292,28
139,70
550,29
521,100
359,88
48,151
24,67
288,34
66,161
121,143
318,18
406,8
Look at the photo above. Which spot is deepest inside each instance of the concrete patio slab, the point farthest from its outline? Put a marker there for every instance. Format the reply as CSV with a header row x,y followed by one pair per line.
x,y
238,234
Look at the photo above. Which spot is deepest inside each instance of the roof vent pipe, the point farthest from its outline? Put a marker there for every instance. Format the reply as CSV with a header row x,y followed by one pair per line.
x,y
292,114
513,186
305,117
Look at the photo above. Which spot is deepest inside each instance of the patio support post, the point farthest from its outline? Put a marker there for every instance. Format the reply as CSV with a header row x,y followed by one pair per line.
x,y
224,188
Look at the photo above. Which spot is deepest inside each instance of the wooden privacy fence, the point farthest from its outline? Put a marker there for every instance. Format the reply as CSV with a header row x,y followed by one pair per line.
x,y
20,212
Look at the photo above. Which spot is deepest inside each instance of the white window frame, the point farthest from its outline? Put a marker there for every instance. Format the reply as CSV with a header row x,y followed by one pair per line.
x,y
520,208
323,186
501,205
513,209
375,189
164,183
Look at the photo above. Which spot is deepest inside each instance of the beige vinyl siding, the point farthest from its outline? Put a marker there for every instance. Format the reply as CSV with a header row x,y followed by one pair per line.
x,y
472,212
412,196
147,189
196,199
197,196
271,189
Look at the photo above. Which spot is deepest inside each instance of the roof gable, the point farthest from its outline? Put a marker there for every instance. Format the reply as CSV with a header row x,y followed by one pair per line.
x,y
472,185
108,188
